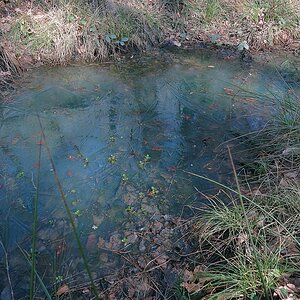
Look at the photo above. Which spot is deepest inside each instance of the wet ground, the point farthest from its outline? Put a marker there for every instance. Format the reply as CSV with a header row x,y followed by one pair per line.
x,y
122,137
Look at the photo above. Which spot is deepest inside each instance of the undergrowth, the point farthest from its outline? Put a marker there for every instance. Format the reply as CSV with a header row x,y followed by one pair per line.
x,y
63,31
72,30
250,247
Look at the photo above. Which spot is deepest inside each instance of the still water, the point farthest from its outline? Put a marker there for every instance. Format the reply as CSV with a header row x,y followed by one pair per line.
x,y
122,137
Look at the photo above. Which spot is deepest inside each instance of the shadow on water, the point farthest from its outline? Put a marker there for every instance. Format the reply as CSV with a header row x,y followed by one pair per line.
x,y
121,138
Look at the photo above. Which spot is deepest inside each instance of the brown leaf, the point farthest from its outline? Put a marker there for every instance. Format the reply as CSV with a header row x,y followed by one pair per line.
x,y
229,91
191,287
62,290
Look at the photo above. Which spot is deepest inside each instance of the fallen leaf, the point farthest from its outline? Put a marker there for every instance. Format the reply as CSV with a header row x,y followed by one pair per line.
x,y
228,91
191,287
156,148
71,157
172,168
249,100
242,238
213,106
62,290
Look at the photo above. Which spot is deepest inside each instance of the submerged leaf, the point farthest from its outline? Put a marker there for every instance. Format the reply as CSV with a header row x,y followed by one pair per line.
x,y
62,290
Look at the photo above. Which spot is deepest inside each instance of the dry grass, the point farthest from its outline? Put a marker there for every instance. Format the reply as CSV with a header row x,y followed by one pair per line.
x,y
69,30
73,30
9,68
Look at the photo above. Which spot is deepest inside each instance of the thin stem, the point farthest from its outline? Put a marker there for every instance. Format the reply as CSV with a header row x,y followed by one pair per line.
x,y
34,226
26,255
260,273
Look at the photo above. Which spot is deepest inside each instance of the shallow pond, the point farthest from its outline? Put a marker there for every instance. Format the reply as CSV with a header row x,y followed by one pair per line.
x,y
122,137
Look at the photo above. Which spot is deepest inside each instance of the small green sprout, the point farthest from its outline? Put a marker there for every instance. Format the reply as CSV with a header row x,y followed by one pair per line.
x,y
85,162
124,241
147,158
112,159
77,213
153,192
51,222
124,178
142,164
130,209
59,278
141,195
21,174
112,139
74,203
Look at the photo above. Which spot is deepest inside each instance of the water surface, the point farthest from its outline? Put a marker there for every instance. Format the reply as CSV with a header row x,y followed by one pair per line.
x,y
122,138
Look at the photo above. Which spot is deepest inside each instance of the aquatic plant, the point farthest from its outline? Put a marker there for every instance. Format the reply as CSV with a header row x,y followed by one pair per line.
x,y
112,159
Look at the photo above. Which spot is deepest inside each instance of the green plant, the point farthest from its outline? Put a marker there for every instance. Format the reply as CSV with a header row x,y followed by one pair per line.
x,y
211,11
240,277
112,38
283,13
125,178
153,192
145,161
247,238
112,159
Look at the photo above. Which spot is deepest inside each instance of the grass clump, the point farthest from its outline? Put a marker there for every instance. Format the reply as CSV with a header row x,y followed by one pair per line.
x,y
281,13
72,30
277,146
248,253
95,30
